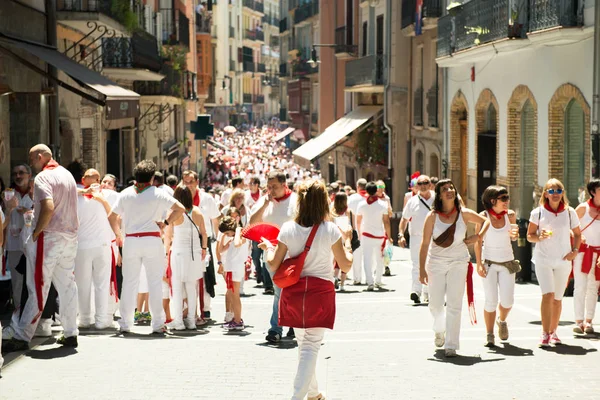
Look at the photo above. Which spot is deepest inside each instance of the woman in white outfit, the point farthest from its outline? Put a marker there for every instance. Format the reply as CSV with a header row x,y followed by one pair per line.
x,y
444,263
586,267
497,257
186,244
313,209
550,227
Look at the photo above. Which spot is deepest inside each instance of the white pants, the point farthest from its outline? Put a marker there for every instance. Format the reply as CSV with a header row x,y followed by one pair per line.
x,y
415,249
309,342
181,290
16,278
372,255
150,252
447,283
585,293
498,279
357,264
553,278
57,267
92,273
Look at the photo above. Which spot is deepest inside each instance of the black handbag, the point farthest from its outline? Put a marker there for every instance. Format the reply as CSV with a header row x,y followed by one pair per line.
x,y
355,241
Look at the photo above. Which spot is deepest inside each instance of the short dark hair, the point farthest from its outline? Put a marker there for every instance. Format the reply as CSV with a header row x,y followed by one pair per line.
x,y
227,224
236,181
592,186
437,202
184,195
144,171
371,188
193,174
159,178
280,176
361,184
172,180
255,180
492,193
77,168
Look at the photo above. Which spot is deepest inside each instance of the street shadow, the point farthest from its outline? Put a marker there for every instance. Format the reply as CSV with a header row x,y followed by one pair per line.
x,y
507,349
460,360
237,333
561,323
282,345
588,336
568,350
49,354
380,290
417,304
145,336
346,291
190,333
247,295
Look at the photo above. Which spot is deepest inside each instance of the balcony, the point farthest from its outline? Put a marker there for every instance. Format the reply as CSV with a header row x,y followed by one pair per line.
x,y
231,32
248,66
432,10
301,67
283,114
203,23
175,28
270,20
283,25
247,98
432,107
260,67
366,74
259,99
254,5
283,70
546,14
77,14
171,85
232,65
306,11
343,48
133,58
418,107
254,35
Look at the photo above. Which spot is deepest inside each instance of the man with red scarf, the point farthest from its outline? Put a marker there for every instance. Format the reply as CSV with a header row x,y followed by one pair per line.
x,y
277,207
93,261
51,251
353,202
13,245
142,208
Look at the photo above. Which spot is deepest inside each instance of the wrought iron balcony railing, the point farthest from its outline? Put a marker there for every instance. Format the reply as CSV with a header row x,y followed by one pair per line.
x,y
418,107
301,68
254,35
249,66
140,51
175,27
306,11
254,5
171,85
552,13
203,23
343,41
100,6
260,99
247,98
431,9
369,70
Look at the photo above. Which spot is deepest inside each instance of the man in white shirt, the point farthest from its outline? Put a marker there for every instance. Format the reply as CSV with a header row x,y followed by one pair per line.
x,y
93,259
252,197
109,187
277,207
13,245
373,223
415,212
141,208
353,202
159,182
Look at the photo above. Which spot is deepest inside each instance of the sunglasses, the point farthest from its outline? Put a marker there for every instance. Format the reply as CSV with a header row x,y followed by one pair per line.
x,y
504,198
380,187
555,191
423,183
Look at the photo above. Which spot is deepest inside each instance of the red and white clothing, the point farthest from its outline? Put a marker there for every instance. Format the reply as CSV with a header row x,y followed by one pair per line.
x,y
225,196
234,259
354,201
373,237
139,213
167,189
93,262
585,271
278,212
51,258
111,197
251,199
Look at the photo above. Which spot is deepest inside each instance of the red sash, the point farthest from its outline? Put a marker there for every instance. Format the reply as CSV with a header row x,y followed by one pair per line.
x,y
385,238
143,234
197,198
169,274
114,291
471,295
229,280
38,276
588,257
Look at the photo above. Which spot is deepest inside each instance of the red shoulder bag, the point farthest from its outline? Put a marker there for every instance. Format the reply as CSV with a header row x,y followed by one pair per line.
x,y
290,269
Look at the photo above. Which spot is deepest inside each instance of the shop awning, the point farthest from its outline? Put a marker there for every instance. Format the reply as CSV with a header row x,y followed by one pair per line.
x,y
283,134
119,102
336,132
217,145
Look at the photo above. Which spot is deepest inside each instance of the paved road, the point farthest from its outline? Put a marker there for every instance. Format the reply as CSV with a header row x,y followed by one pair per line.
x,y
382,348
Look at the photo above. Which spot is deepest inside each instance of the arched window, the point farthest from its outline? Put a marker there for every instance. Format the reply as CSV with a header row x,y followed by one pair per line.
x,y
574,161
490,119
434,165
420,161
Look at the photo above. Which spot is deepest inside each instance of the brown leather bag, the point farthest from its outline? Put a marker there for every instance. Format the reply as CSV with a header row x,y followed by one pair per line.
x,y
446,238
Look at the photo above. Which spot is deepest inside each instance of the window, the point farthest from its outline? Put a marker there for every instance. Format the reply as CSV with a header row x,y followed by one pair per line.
x,y
574,166
434,165
527,172
365,34
491,118
419,162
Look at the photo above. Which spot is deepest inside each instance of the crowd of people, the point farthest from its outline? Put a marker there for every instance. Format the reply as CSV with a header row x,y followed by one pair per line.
x,y
153,252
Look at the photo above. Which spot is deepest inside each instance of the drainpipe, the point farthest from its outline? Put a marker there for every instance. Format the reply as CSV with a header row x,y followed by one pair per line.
x,y
386,103
446,124
53,124
335,78
596,95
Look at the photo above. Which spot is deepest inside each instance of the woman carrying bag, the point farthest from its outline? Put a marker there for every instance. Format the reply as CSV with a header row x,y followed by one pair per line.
x,y
311,244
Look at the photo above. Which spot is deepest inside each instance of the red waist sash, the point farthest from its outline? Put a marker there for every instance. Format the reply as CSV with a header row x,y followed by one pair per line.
x,y
385,238
588,257
143,234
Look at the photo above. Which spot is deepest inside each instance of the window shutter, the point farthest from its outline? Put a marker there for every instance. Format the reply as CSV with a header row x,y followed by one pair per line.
x,y
159,29
574,151
149,26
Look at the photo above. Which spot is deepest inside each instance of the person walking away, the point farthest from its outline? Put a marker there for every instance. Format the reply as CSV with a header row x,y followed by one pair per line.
x,y
315,290
444,264
498,268
383,196
141,207
414,214
353,202
341,217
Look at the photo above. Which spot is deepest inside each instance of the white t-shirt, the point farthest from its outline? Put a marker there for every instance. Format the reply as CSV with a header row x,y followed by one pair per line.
x,y
167,189
225,196
550,252
372,217
209,209
141,211
416,210
111,196
354,201
94,228
13,240
276,212
249,201
319,260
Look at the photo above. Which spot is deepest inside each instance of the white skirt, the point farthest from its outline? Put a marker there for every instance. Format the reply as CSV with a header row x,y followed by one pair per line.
x,y
183,268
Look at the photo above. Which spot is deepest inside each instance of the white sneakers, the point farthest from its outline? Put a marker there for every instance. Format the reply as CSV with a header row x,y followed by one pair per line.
x,y
440,339
44,328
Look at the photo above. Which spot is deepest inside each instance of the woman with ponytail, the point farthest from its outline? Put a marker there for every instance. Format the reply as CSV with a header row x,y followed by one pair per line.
x,y
497,261
586,267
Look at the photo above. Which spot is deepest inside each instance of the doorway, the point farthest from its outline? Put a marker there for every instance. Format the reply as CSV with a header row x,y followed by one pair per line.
x,y
113,154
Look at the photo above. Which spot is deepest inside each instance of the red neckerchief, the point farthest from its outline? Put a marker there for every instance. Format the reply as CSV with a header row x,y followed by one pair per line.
x,y
447,215
363,193
51,165
592,205
285,196
561,208
372,199
256,196
197,198
88,195
499,215
22,193
382,196
140,187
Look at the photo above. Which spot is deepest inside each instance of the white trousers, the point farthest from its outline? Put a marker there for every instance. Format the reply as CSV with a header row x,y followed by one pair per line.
x,y
357,264
372,257
16,278
309,342
447,283
585,293
415,249
181,290
498,280
57,267
92,274
150,252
